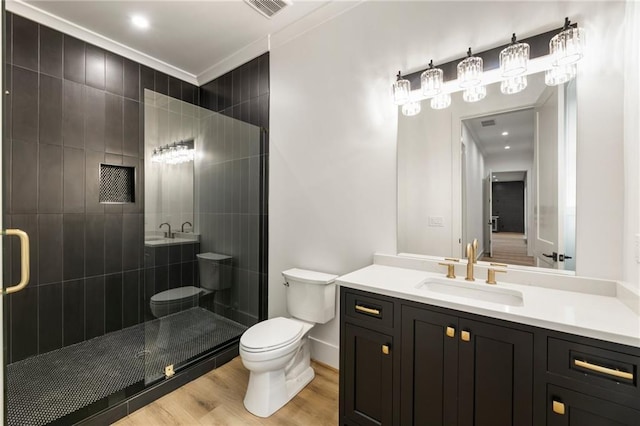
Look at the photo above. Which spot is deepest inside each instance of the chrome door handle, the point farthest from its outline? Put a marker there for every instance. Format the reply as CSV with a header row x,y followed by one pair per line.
x,y
24,259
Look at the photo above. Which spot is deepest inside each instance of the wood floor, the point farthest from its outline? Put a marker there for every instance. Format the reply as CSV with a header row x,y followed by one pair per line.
x,y
216,399
511,248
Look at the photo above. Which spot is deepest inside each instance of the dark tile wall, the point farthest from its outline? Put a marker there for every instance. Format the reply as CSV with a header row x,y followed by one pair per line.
x,y
72,105
237,215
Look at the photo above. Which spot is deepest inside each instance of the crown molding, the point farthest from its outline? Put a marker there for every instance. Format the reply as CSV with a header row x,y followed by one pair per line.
x,y
233,61
50,20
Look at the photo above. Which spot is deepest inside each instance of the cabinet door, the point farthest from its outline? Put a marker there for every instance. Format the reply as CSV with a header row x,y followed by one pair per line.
x,y
495,375
569,408
429,368
368,376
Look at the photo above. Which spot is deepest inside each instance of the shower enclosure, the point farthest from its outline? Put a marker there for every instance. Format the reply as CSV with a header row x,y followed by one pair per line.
x,y
114,306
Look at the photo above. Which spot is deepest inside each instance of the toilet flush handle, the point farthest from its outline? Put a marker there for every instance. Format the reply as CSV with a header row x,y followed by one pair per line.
x,y
285,283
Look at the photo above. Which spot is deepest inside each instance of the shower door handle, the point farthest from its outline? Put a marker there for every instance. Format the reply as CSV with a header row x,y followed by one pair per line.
x,y
24,259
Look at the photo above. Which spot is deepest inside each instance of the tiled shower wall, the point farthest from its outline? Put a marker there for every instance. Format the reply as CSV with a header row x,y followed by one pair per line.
x,y
71,106
231,225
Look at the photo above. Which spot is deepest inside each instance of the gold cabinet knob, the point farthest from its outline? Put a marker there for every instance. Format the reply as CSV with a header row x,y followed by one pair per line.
x,y
385,349
558,407
451,332
465,336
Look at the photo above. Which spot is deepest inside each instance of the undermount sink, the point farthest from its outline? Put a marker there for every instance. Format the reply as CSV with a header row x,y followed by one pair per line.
x,y
473,290
153,239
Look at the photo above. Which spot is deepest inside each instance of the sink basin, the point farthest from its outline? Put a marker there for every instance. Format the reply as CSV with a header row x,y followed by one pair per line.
x,y
474,290
153,239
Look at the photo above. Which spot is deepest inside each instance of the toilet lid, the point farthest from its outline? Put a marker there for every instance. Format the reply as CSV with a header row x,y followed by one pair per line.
x,y
176,294
271,334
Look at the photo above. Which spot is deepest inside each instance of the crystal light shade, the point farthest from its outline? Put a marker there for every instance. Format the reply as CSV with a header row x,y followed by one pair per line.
x,y
411,108
401,90
566,46
512,85
560,74
474,94
441,101
175,153
470,71
514,58
431,81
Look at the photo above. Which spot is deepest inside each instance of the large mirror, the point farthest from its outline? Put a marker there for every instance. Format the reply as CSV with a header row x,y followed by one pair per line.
x,y
500,170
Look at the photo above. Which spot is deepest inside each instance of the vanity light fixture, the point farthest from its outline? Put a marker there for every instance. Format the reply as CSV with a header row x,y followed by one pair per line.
x,y
474,94
514,59
470,71
566,46
174,153
411,108
401,89
441,101
431,81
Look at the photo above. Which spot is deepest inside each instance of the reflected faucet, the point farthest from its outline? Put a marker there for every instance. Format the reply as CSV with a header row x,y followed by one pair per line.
x,y
190,225
469,276
167,234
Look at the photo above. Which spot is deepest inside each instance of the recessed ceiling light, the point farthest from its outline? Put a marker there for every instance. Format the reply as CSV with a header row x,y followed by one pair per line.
x,y
140,21
505,133
507,147
494,176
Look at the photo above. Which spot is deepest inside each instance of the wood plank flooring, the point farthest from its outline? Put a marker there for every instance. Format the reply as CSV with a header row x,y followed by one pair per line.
x,y
511,248
216,399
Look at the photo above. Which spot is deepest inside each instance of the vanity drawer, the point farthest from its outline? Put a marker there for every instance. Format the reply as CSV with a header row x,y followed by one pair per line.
x,y
610,369
369,309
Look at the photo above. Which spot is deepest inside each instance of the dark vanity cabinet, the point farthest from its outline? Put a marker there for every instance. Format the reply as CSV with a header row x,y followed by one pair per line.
x,y
406,363
459,371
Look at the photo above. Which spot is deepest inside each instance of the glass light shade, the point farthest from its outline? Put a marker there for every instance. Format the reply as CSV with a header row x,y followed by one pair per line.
x,y
566,47
431,82
411,108
401,90
441,101
470,72
474,94
512,85
560,74
514,59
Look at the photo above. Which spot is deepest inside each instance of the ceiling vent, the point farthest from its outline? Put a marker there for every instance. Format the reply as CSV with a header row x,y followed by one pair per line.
x,y
487,123
268,8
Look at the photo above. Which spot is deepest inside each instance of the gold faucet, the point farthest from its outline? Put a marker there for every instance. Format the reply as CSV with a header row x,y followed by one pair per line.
x,y
475,250
469,276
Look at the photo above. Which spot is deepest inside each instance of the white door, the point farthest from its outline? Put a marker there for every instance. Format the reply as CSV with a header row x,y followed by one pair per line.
x,y
487,198
548,157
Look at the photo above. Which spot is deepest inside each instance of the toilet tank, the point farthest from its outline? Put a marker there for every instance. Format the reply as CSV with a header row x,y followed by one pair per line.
x,y
311,296
215,271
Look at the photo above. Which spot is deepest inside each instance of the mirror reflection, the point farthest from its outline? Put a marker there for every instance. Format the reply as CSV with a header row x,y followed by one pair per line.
x,y
501,171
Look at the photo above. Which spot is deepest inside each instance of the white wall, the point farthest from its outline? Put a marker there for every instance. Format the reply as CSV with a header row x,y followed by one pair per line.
x,y
474,175
333,130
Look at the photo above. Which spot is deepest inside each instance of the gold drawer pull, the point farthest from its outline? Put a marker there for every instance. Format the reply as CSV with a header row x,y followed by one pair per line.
x,y
465,336
603,370
451,332
385,349
366,310
558,407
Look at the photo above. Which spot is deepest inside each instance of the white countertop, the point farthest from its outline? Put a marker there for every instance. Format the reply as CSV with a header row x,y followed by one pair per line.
x,y
591,315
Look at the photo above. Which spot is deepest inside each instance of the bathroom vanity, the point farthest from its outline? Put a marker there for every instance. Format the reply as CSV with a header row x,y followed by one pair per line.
x,y
414,351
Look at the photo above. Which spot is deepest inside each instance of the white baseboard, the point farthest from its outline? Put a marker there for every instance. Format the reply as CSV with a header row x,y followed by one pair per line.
x,y
325,352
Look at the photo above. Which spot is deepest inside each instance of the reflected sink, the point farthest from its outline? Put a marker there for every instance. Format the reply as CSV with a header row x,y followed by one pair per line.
x,y
474,290
153,239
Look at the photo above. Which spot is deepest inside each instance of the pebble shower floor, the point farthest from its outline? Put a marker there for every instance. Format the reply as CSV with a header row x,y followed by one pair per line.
x,y
47,387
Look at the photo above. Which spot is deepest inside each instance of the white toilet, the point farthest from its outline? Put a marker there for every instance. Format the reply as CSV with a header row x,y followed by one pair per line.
x,y
276,351
215,274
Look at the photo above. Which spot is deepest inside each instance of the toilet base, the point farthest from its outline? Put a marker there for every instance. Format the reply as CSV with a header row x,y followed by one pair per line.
x,y
281,390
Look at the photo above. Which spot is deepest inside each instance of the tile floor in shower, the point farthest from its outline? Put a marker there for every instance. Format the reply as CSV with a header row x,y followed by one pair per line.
x,y
50,386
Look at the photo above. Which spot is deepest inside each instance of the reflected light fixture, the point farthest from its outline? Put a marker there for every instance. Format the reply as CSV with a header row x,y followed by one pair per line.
x,y
441,101
174,153
505,133
401,89
474,94
560,74
512,85
431,81
411,108
514,59
507,147
566,46
470,71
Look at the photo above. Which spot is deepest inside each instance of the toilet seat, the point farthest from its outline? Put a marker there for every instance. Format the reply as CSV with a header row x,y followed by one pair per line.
x,y
271,335
176,295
